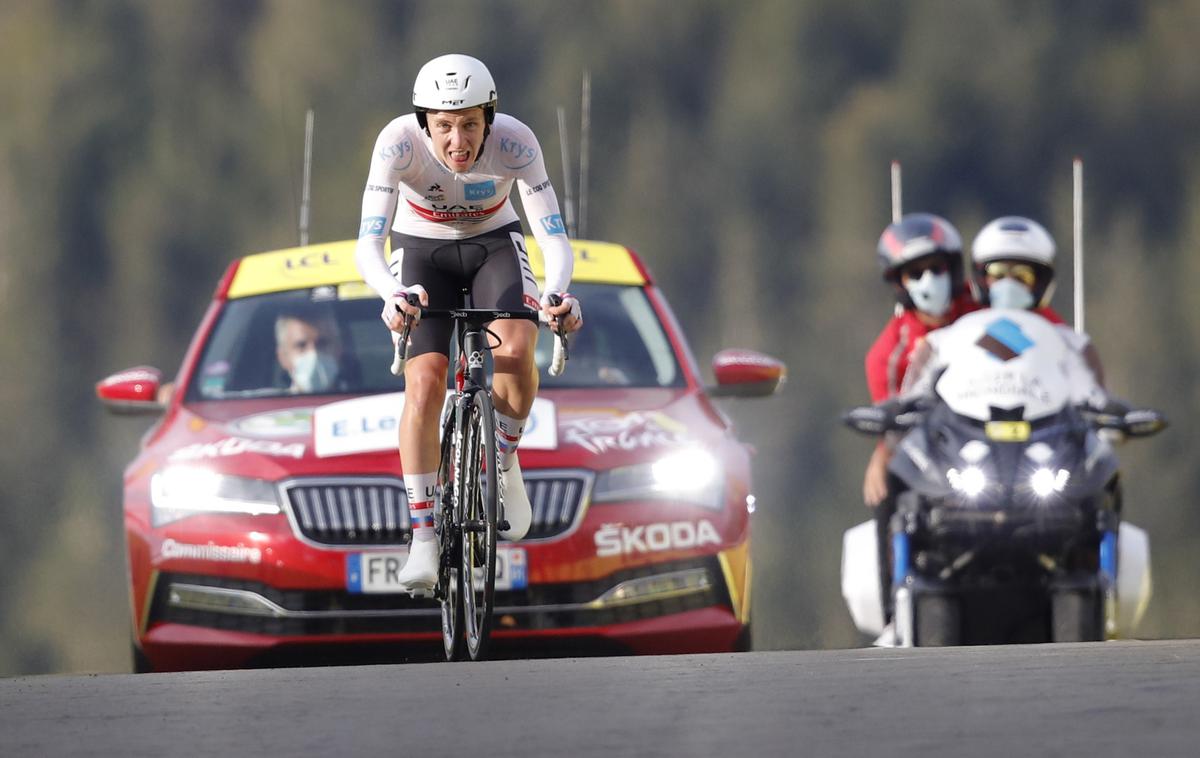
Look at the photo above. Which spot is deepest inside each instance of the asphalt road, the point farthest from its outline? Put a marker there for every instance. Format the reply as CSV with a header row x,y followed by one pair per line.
x,y
1099,699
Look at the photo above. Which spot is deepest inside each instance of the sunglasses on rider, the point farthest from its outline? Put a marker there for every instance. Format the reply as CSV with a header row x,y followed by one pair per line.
x,y
917,269
1022,272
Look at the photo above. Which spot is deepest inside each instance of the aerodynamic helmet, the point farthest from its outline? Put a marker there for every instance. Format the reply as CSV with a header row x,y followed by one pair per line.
x,y
914,237
1014,239
454,82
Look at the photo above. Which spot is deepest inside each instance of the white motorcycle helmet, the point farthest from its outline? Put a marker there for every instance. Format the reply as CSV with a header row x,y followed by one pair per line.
x,y
1014,239
452,83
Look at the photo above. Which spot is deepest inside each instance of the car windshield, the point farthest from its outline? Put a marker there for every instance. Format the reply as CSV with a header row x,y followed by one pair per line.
x,y
330,340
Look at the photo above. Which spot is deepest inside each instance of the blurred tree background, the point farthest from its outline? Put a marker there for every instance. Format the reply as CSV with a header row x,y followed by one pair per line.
x,y
741,148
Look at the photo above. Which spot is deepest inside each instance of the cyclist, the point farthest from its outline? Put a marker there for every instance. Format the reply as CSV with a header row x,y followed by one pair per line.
x,y
921,258
439,184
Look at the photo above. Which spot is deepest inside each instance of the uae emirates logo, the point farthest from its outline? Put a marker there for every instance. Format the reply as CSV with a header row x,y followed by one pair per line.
x,y
1004,340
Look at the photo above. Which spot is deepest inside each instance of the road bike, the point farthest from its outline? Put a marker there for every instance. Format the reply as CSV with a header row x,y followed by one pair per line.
x,y
469,501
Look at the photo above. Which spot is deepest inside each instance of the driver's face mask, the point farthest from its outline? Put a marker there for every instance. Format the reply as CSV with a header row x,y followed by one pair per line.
x,y
314,371
1009,293
930,293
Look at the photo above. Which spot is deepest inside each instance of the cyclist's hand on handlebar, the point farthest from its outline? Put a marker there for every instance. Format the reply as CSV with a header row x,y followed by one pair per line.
x,y
568,315
404,302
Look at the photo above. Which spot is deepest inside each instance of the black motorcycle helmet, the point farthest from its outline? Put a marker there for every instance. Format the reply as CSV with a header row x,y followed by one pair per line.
x,y
916,236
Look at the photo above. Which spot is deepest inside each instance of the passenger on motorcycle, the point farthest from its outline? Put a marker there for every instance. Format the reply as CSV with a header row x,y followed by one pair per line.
x,y
921,258
439,185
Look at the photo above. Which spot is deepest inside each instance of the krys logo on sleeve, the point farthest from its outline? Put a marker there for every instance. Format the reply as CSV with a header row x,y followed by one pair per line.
x,y
516,155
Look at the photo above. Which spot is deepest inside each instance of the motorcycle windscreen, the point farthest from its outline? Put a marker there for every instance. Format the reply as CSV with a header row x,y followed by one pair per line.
x,y
1006,359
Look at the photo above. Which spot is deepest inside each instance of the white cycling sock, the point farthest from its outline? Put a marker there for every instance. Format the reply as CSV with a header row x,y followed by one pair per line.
x,y
422,490
508,436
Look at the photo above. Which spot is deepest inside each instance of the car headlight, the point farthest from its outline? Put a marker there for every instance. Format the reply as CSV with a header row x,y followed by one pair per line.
x,y
180,491
1045,482
691,475
970,481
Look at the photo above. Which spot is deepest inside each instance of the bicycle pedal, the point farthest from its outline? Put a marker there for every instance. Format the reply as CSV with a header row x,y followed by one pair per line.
x,y
421,593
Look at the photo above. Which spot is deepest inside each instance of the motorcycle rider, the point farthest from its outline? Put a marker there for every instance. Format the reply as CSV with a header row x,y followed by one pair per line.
x,y
921,258
1013,262
439,184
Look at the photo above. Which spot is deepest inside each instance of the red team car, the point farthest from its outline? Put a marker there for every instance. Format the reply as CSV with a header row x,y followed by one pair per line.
x,y
266,518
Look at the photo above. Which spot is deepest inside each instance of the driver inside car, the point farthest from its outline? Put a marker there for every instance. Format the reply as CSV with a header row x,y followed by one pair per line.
x,y
308,347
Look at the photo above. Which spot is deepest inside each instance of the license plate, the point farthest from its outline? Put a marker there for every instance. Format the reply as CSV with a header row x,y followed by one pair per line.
x,y
375,573
378,573
512,568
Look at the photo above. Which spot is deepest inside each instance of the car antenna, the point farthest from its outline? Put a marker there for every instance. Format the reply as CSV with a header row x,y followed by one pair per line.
x,y
568,202
897,189
585,132
304,193
1078,219
896,192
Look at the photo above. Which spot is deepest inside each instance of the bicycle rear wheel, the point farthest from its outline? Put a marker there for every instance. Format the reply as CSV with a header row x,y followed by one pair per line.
x,y
449,537
479,495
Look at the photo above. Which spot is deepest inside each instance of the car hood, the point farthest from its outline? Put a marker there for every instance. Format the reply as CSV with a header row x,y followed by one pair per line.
x,y
592,429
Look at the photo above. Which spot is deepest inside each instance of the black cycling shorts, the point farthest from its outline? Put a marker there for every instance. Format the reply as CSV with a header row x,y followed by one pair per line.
x,y
493,267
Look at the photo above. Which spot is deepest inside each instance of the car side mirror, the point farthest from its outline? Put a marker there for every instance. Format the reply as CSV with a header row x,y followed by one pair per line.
x,y
133,392
746,373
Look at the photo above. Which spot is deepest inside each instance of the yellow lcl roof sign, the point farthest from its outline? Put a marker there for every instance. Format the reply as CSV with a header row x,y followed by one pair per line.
x,y
333,263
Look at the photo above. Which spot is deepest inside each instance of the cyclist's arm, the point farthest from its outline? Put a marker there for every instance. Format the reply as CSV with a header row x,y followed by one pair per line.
x,y
541,208
392,150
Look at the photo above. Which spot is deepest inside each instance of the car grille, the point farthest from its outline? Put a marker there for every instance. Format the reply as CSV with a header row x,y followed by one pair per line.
x,y
349,511
557,499
374,511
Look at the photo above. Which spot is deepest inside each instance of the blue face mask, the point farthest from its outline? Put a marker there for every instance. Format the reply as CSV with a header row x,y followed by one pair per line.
x,y
930,293
1009,293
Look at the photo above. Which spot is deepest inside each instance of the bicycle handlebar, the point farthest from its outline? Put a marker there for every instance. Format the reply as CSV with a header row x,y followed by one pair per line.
x,y
477,316
559,362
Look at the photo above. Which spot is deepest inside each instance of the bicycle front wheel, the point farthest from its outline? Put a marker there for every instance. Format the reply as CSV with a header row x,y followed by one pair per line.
x,y
449,536
479,496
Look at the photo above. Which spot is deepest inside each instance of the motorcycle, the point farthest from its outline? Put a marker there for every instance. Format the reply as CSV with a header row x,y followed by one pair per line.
x,y
1004,524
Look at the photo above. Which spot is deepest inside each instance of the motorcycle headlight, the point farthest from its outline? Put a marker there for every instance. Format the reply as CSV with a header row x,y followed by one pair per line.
x,y
970,481
177,492
691,475
1045,482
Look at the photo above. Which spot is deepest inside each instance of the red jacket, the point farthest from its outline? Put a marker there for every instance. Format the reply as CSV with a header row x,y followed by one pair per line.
x,y
887,360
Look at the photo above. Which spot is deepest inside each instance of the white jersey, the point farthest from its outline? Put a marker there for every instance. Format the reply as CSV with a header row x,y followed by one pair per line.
x,y
410,191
